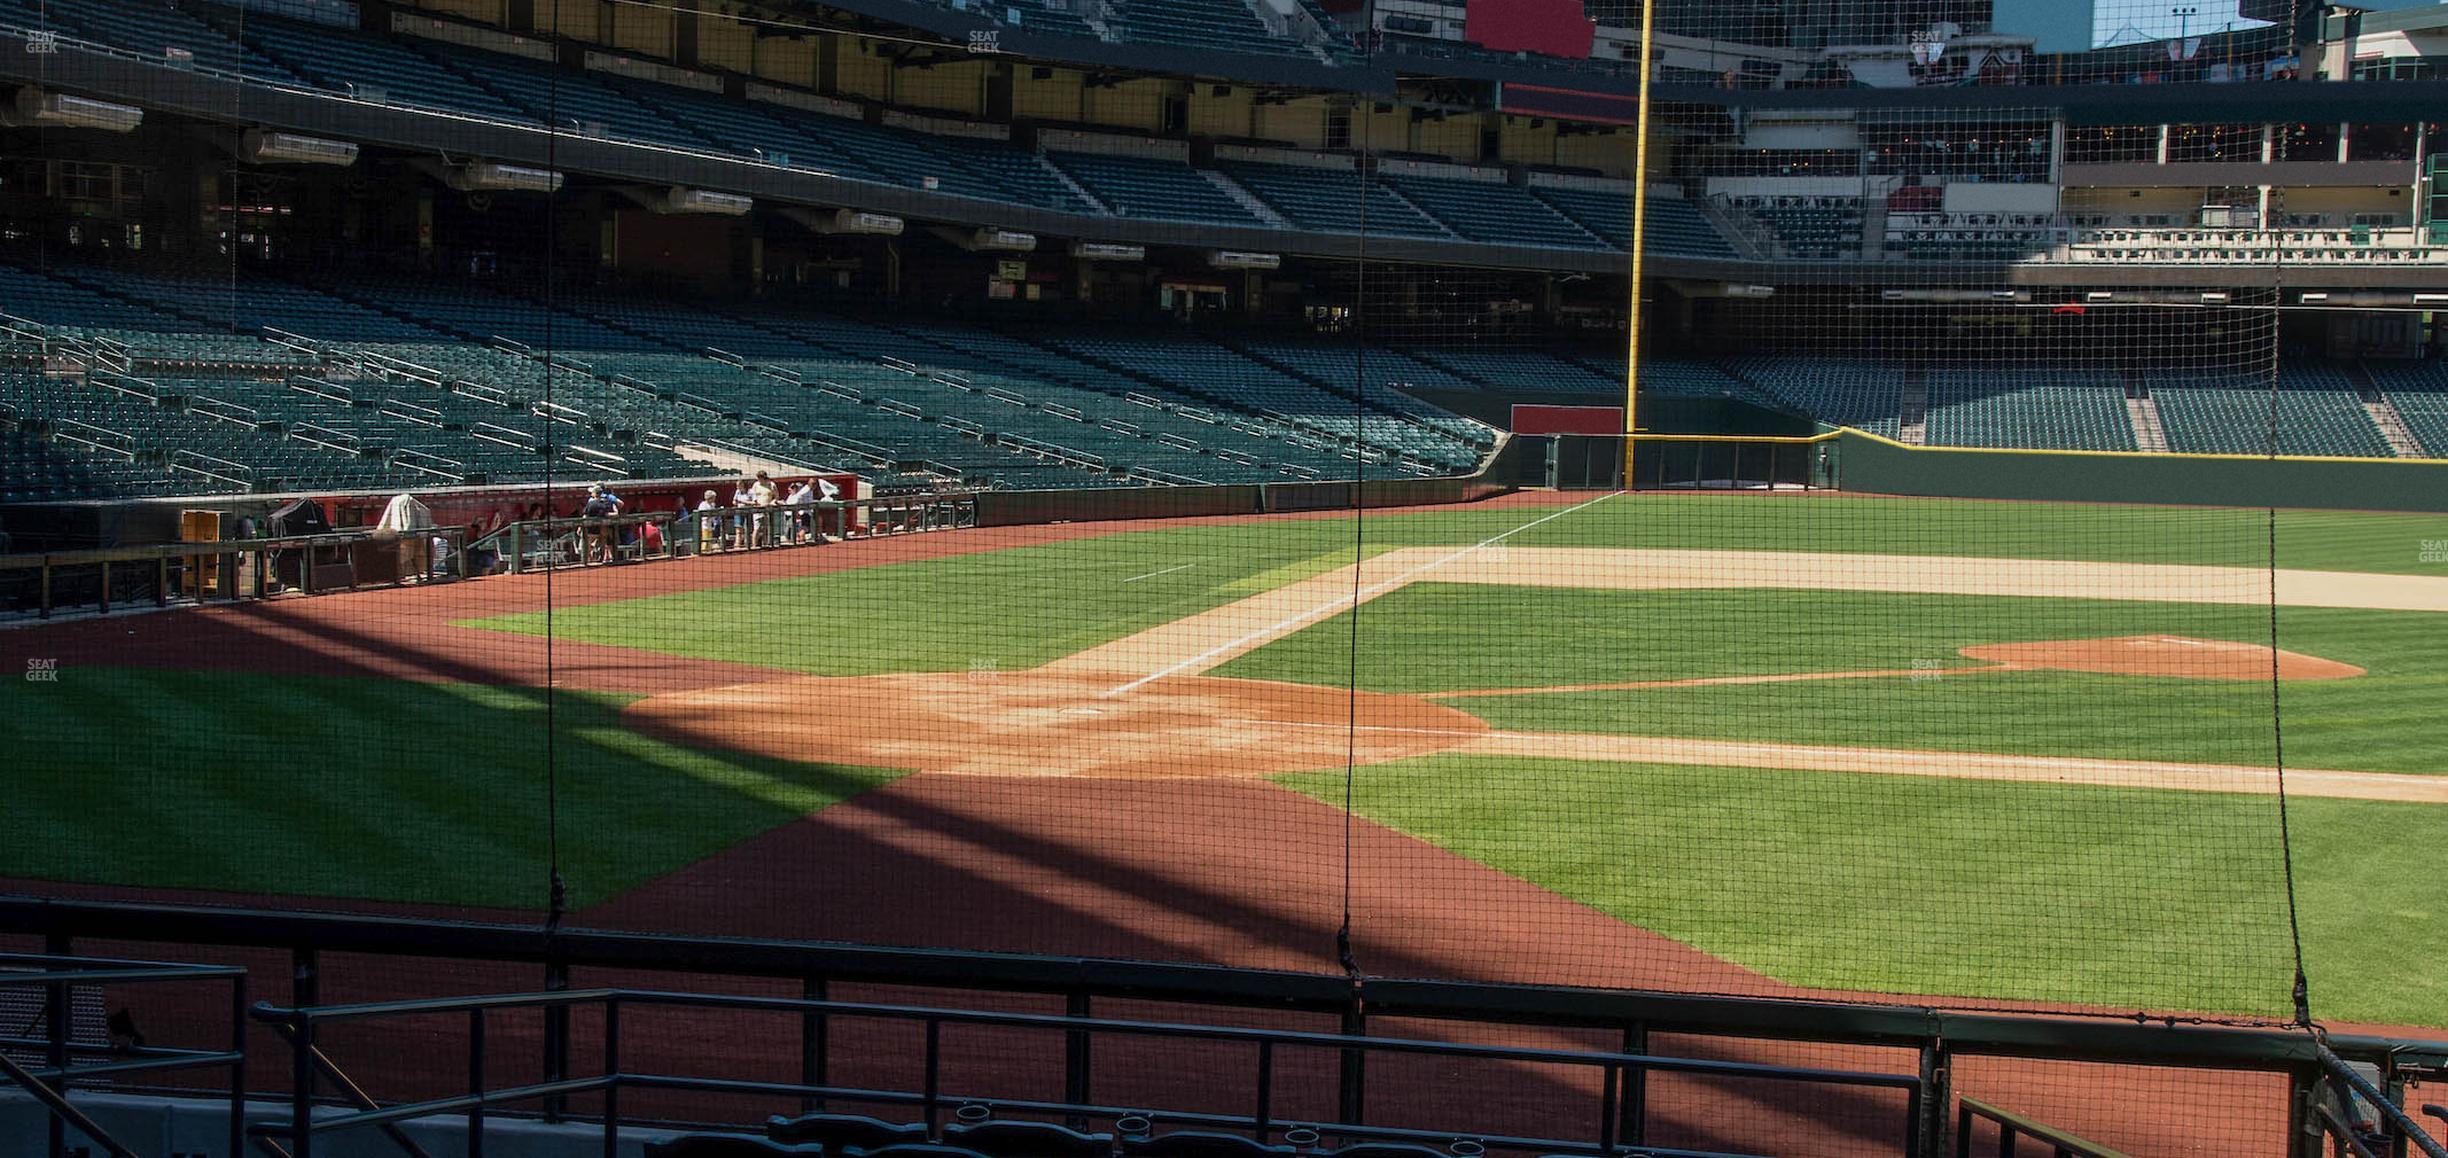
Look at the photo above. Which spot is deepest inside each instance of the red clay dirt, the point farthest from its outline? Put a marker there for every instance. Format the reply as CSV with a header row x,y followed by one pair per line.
x,y
1037,723
2172,656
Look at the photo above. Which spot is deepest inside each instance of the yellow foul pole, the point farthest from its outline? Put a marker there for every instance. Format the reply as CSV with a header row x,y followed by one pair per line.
x,y
1640,226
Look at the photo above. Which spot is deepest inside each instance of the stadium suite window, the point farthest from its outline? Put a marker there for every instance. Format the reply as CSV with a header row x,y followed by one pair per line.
x,y
2308,142
2228,143
2381,142
2112,144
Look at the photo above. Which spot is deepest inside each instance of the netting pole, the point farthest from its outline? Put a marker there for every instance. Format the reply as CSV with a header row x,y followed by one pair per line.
x,y
1640,224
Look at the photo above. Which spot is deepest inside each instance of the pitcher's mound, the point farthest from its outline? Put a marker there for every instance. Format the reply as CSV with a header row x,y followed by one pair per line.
x,y
1038,724
2162,655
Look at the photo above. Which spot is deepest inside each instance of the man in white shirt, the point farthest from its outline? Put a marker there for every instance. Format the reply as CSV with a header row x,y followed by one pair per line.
x,y
801,494
761,493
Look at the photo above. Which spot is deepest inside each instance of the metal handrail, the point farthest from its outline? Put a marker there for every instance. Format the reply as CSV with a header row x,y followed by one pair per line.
x,y
2063,1144
50,1082
1618,1069
2399,1121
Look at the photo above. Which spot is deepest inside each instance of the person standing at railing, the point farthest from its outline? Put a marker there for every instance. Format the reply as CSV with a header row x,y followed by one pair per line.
x,y
761,494
739,525
802,493
602,537
709,524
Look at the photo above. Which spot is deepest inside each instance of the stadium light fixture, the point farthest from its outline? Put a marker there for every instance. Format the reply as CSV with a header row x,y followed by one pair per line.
x,y
858,221
1242,259
679,199
35,108
492,176
263,147
2422,299
990,239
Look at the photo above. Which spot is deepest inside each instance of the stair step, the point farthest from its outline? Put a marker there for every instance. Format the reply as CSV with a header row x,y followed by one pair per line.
x,y
1912,425
2150,436
1245,199
2392,426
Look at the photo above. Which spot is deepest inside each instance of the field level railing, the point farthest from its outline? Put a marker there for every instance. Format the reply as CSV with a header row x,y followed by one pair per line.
x,y
542,544
931,1099
233,569
2012,1126
66,1060
318,944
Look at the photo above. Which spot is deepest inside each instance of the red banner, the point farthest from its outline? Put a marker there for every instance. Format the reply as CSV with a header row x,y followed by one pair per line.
x,y
1540,419
1552,27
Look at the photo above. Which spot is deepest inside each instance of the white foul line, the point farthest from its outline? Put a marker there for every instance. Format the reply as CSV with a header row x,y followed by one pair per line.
x,y
1166,571
1284,625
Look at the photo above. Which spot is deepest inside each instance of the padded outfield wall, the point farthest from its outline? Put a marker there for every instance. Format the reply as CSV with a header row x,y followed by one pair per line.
x,y
1882,466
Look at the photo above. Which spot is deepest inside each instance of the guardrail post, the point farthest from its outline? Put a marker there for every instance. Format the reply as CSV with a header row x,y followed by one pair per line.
x,y
815,1043
2304,1133
1632,1113
1929,1124
301,1084
934,1072
1076,1057
238,1068
105,606
55,1042
1266,1091
612,1079
556,1038
476,1082
1352,1085
2393,1084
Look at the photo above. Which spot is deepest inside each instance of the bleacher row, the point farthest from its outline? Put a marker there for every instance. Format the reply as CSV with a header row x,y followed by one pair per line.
x,y
139,382
2319,408
446,77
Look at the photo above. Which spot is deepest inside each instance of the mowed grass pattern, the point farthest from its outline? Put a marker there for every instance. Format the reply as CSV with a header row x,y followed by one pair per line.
x,y
368,789
1026,606
1434,637
2028,892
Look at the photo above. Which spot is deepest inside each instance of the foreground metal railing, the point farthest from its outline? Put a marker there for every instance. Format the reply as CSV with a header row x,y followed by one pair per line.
x,y
67,1061
308,1122
2012,1126
359,950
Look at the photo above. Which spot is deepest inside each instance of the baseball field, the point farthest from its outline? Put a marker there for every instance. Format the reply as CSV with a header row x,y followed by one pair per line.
x,y
2000,754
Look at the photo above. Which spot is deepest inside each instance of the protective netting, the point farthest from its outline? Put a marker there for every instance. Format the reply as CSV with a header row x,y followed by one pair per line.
x,y
2000,593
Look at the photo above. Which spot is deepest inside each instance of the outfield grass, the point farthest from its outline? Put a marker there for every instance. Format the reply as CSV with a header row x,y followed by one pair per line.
x,y
2080,895
372,789
1433,637
1026,606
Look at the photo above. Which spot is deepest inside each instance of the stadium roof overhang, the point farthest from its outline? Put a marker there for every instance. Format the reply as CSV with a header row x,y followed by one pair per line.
x,y
213,98
957,29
